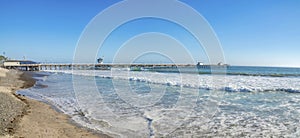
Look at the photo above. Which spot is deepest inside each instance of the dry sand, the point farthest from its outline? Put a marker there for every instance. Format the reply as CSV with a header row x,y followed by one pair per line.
x,y
23,117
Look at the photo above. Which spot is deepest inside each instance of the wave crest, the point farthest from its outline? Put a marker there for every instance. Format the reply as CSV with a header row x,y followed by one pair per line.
x,y
229,83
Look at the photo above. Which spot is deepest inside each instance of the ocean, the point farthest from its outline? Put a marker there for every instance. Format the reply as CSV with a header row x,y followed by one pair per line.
x,y
164,102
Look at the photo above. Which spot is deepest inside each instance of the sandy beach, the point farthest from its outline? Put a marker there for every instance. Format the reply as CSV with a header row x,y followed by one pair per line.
x,y
23,117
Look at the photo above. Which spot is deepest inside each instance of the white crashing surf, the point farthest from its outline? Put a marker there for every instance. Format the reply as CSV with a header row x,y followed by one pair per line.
x,y
229,83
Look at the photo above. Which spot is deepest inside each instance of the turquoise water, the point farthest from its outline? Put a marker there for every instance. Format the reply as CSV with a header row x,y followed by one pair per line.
x,y
264,71
236,70
247,102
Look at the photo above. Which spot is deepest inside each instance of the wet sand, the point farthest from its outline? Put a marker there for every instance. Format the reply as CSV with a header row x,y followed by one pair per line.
x,y
23,117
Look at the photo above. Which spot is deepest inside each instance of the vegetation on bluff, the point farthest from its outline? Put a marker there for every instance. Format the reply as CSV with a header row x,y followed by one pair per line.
x,y
2,59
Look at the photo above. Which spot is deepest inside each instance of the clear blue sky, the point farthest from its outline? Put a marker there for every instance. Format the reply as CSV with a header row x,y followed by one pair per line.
x,y
252,32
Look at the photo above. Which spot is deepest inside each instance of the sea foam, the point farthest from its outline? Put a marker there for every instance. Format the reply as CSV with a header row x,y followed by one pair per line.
x,y
244,114
229,83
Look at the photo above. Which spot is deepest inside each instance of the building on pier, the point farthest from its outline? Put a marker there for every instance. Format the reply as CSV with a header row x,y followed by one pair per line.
x,y
21,65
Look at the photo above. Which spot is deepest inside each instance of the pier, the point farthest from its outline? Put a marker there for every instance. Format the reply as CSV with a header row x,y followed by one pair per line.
x,y
26,65
54,66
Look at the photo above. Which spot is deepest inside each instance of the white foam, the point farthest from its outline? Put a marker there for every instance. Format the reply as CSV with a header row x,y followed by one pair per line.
x,y
210,82
241,112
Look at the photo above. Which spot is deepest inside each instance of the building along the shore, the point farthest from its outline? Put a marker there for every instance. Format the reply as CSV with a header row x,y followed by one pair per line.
x,y
20,65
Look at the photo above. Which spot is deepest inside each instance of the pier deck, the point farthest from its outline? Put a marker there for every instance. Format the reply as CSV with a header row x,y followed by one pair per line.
x,y
40,67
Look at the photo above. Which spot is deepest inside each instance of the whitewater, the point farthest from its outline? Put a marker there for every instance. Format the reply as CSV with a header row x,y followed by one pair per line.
x,y
229,83
124,103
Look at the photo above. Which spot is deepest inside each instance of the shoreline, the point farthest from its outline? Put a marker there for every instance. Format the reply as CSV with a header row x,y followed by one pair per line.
x,y
24,117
